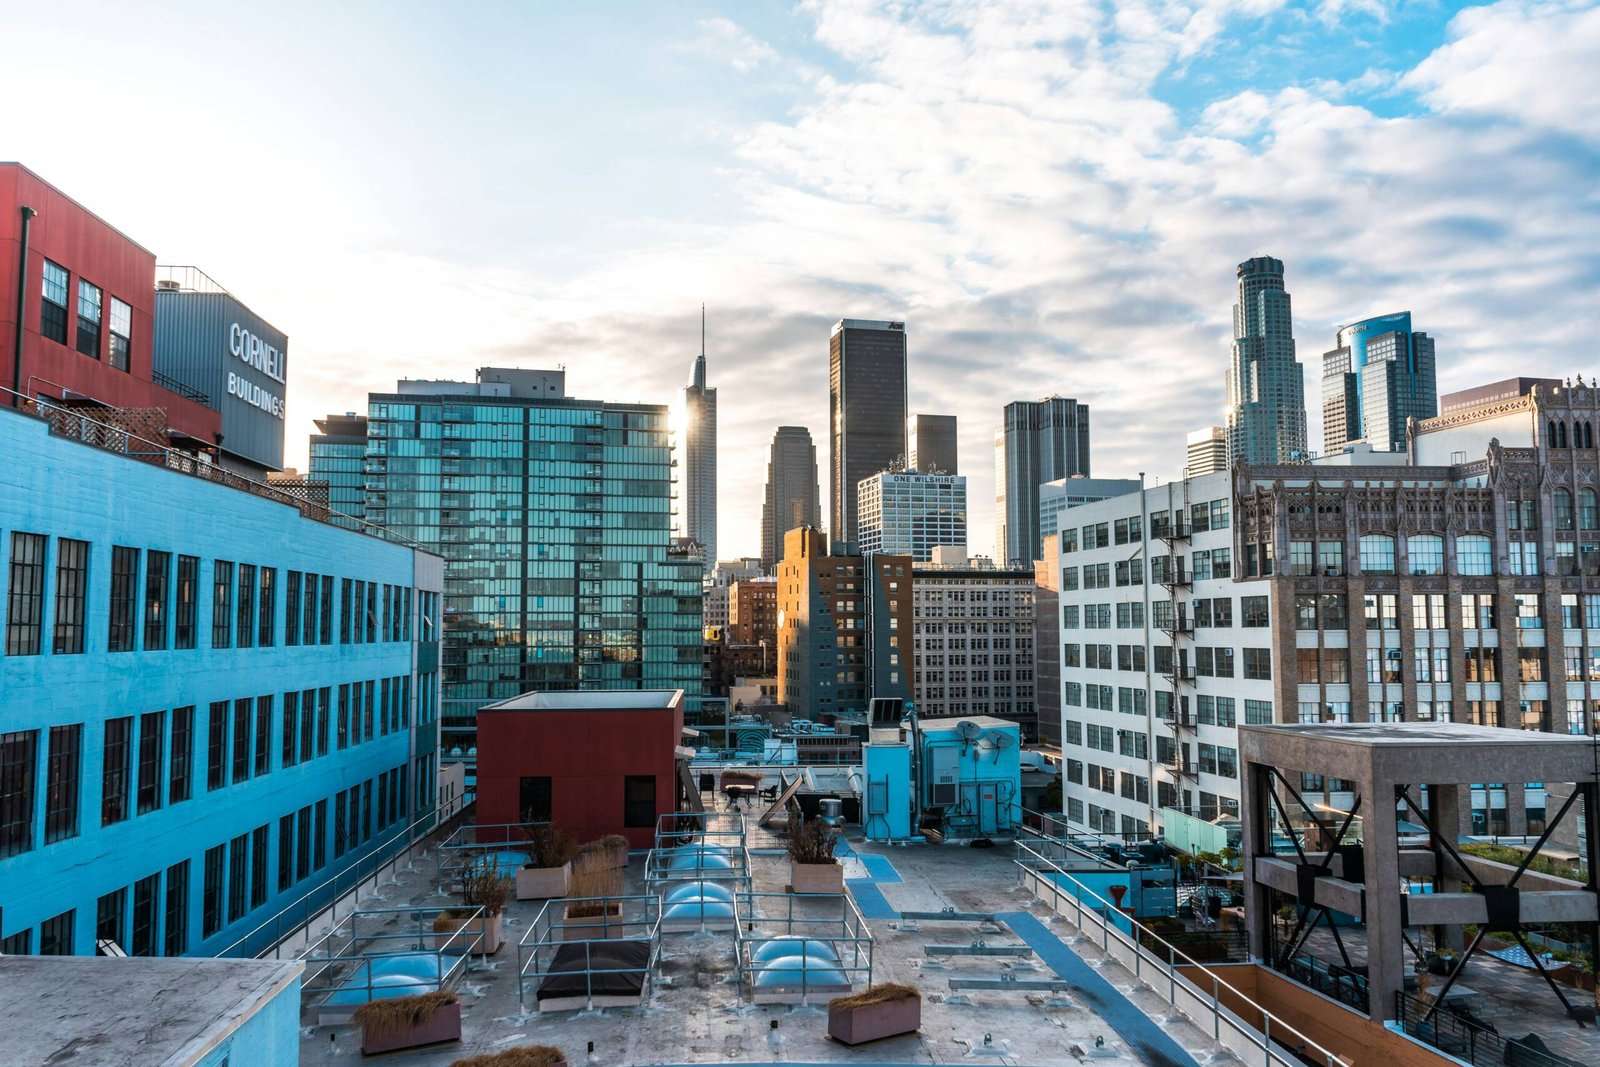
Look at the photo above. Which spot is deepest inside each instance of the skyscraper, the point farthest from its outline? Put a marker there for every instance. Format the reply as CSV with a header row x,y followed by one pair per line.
x,y
1040,441
866,411
1207,452
931,444
1379,375
554,518
1266,387
791,500
700,451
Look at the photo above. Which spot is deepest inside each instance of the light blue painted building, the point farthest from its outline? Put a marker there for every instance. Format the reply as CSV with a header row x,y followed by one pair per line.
x,y
209,704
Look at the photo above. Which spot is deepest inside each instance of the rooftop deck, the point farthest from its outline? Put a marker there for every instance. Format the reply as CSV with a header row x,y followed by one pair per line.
x,y
697,1008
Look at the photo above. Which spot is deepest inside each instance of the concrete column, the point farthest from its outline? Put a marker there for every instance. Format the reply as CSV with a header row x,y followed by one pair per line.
x,y
1257,841
1386,962
1445,808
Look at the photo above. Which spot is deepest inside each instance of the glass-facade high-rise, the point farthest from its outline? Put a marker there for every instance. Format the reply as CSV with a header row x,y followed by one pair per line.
x,y
700,453
1379,375
1266,386
1039,441
866,411
338,457
554,517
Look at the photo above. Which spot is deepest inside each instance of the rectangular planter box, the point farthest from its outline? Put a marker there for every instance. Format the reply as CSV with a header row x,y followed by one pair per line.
x,y
543,883
445,1025
816,877
589,928
854,1026
492,937
609,859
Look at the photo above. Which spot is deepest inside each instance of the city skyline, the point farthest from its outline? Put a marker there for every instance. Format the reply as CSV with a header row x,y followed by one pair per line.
x,y
701,174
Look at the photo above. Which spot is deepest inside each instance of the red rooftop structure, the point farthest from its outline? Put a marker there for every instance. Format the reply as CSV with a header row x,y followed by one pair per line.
x,y
86,308
591,763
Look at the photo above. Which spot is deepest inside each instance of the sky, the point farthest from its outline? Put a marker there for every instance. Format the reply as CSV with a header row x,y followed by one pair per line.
x,y
1052,195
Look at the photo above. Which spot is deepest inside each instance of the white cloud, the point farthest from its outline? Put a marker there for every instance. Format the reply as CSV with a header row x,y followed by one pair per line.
x,y
723,39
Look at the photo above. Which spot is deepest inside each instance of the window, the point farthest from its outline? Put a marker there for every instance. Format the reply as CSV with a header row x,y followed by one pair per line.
x,y
56,934
533,799
17,944
1562,499
246,631
181,763
1381,611
1522,514
146,897
121,334
217,746
1474,554
53,303
302,844
25,599
1425,554
263,735
1254,610
267,605
242,710
1571,619
1377,554
1302,558
1524,557
286,851
111,917
1478,611
152,739
1528,613
238,877
1588,509
72,584
258,865
1258,663
63,783
89,301
325,611
183,635
157,568
1427,611
18,769
124,598
221,604
177,924
291,718
1330,557
114,770
211,892
1333,613
291,609
1258,712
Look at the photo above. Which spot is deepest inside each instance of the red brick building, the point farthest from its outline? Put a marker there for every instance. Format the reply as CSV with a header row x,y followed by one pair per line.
x,y
753,613
87,311
592,763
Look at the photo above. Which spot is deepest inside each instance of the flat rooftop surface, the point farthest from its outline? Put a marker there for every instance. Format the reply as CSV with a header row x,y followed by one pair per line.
x,y
620,700
1407,734
98,1011
696,1013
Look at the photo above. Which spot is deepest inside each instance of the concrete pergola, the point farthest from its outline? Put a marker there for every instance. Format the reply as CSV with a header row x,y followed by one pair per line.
x,y
1385,763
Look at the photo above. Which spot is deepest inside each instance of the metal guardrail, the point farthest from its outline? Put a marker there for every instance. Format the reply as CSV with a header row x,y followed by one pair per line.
x,y
1464,1039
471,842
556,932
322,901
172,385
74,425
1198,997
830,922
352,954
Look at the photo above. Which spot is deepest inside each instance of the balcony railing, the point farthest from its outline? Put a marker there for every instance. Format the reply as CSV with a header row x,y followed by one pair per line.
x,y
172,385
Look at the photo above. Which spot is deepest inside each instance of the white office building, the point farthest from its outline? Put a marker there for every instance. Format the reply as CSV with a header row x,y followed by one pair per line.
x,y
907,513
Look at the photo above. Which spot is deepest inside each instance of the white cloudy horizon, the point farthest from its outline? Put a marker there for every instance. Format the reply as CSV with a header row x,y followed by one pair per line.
x,y
1052,195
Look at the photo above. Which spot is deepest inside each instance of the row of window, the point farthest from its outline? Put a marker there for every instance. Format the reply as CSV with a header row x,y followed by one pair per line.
x,y
147,761
154,602
94,322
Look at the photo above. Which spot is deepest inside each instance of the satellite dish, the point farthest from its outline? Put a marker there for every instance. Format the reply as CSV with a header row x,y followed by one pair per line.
x,y
967,730
1001,740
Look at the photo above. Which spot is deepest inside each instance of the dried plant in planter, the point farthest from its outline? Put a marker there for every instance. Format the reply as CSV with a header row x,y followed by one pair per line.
x,y
878,994
593,882
813,842
549,845
483,886
521,1056
382,1018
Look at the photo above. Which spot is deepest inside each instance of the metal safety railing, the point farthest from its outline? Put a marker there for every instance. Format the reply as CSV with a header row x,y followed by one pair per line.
x,y
285,933
1183,982
1468,1040
366,950
575,945
793,945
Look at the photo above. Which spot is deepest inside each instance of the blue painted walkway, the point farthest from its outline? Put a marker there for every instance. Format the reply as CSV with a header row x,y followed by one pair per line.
x,y
1141,1034
870,899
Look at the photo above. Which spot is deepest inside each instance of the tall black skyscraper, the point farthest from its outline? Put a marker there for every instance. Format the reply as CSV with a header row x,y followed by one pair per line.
x,y
866,411
1266,387
1039,441
931,444
791,497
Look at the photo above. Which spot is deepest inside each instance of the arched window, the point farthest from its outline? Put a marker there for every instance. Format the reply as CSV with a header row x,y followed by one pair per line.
x,y
1425,554
1561,432
1377,554
1474,554
1563,502
1588,509
1588,435
1550,433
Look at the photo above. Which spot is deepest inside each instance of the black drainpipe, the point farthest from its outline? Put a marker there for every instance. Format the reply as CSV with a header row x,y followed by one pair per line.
x,y
22,307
